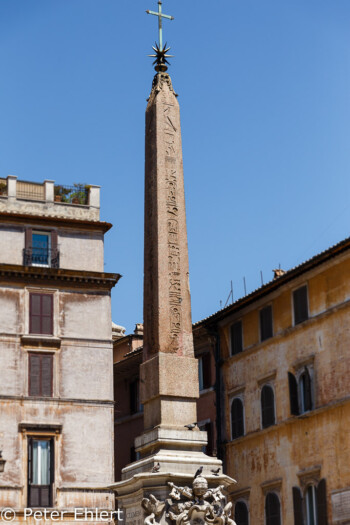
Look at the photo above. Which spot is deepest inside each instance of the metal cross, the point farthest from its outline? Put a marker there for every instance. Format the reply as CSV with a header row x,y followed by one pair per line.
x,y
160,17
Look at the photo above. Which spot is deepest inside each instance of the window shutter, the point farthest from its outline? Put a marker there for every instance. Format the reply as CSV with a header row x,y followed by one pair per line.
x,y
28,236
308,394
206,370
46,314
34,313
321,496
34,375
54,240
52,460
45,491
293,394
30,450
267,406
298,506
46,375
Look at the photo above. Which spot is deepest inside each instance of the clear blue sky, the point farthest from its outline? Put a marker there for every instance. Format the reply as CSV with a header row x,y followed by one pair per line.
x,y
265,104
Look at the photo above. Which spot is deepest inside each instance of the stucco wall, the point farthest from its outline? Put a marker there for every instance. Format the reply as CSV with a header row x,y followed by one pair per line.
x,y
13,239
295,444
85,371
78,250
86,315
81,251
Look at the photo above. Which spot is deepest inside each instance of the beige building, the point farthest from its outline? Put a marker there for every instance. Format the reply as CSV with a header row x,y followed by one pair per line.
x,y
56,380
277,395
285,392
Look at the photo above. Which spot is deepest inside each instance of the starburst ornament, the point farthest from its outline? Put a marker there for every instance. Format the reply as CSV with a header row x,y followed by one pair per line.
x,y
161,57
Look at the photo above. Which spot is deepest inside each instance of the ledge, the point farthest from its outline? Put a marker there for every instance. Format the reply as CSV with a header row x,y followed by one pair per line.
x,y
40,427
41,341
75,278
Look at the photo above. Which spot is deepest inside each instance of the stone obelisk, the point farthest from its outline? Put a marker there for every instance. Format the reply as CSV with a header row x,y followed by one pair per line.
x,y
167,450
169,373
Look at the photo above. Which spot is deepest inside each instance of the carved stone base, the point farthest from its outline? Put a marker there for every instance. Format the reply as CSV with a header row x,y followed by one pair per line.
x,y
166,498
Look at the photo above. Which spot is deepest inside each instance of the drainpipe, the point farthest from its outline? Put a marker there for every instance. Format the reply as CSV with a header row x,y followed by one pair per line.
x,y
220,416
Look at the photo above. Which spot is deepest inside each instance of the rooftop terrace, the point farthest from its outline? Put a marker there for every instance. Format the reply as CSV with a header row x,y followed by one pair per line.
x,y
80,201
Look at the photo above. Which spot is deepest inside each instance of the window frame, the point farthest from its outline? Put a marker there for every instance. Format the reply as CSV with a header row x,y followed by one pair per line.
x,y
237,322
298,375
205,378
272,492
271,386
270,307
301,395
307,504
49,243
241,399
305,285
245,502
51,470
32,353
31,315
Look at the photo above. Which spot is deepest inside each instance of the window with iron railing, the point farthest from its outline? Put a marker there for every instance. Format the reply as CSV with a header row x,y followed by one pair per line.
x,y
41,249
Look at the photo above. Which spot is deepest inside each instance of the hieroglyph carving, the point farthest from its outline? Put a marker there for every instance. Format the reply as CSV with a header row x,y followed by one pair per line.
x,y
174,264
198,505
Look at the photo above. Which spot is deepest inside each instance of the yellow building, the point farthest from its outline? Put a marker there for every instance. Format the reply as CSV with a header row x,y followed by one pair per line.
x,y
285,394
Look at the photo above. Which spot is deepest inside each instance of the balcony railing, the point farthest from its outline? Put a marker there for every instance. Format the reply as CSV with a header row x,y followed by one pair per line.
x,y
41,257
77,194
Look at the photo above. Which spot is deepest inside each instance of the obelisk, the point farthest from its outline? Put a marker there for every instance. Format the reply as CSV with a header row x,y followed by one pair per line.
x,y
168,452
169,373
155,489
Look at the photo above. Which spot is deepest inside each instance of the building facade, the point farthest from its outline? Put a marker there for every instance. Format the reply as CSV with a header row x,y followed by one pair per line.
x,y
56,379
128,419
274,375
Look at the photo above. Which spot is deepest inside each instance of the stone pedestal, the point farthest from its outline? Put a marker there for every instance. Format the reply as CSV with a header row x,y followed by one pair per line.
x,y
154,498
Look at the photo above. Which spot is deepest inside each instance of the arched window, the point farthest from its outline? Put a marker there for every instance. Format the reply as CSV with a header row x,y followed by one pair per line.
x,y
305,391
241,513
267,406
272,509
237,420
300,391
310,507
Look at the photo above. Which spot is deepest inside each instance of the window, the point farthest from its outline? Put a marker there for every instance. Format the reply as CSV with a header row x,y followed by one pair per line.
x,y
208,428
40,375
40,471
267,406
41,248
204,371
134,393
300,391
300,305
241,513
272,509
266,330
236,338
237,418
41,314
312,509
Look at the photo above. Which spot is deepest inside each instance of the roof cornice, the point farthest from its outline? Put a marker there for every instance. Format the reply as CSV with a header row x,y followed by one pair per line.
x,y
84,224
48,276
